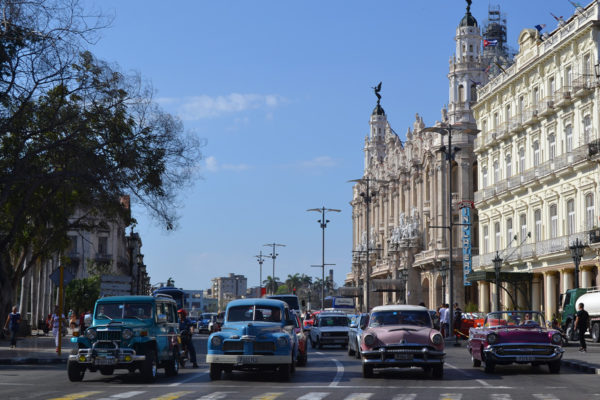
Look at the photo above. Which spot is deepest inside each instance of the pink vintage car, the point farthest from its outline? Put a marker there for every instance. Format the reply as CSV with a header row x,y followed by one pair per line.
x,y
402,336
521,337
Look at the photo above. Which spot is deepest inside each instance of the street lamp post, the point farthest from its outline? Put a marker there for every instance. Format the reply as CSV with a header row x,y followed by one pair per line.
x,y
367,196
323,223
449,152
497,266
443,274
403,279
260,259
577,253
274,256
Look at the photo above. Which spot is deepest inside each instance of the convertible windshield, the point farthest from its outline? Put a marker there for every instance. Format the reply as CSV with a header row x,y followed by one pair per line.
x,y
404,317
333,321
254,313
531,319
124,311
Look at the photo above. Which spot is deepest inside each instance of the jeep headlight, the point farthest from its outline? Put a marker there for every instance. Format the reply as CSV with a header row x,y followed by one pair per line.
x,y
91,334
127,334
369,340
492,338
282,341
437,339
556,338
216,341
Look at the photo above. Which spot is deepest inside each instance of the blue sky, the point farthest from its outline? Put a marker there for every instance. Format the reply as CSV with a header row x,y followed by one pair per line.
x,y
281,92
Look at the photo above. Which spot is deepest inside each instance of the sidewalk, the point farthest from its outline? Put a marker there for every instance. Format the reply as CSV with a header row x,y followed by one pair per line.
x,y
35,349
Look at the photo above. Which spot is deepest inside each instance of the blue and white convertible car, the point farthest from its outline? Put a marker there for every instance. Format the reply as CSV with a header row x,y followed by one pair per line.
x,y
257,334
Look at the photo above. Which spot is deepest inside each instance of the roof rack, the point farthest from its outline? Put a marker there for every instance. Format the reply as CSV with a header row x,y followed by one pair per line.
x,y
163,295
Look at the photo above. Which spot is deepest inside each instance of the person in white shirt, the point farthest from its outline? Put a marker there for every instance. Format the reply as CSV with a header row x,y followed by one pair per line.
x,y
445,319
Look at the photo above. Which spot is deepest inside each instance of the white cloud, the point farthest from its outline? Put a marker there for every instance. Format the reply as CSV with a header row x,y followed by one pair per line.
x,y
193,108
212,165
319,162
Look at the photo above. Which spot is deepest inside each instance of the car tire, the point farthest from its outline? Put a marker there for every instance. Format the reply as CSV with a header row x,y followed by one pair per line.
x,y
172,366
75,371
149,367
319,344
570,332
351,351
490,366
312,344
284,372
554,367
437,372
214,372
367,371
107,370
595,331
293,364
302,359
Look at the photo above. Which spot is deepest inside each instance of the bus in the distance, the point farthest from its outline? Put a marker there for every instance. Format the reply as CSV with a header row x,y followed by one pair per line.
x,y
339,303
175,293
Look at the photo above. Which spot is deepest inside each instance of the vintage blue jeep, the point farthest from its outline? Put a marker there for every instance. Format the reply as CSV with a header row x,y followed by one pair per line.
x,y
257,334
129,332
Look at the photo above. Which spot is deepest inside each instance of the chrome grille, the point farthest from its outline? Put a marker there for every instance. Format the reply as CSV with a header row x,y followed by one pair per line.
x,y
109,335
338,334
231,345
525,350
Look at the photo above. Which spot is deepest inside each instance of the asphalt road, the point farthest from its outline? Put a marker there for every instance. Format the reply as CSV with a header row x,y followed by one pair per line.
x,y
330,374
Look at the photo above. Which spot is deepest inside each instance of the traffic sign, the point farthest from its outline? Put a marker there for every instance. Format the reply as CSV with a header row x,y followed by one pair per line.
x,y
67,276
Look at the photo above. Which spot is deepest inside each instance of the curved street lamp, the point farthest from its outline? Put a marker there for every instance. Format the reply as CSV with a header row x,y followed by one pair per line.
x,y
577,249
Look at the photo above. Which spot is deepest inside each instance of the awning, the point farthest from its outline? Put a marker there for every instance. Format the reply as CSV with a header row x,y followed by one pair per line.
x,y
490,276
387,285
350,291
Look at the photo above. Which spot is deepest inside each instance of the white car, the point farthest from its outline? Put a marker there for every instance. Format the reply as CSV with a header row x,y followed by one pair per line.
x,y
330,328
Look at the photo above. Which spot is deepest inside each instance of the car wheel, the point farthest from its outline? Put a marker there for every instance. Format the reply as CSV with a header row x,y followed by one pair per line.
x,y
319,344
285,372
214,372
554,367
172,366
149,367
350,350
312,343
570,332
367,371
437,372
75,371
293,364
490,366
302,359
596,332
357,355
475,362
107,370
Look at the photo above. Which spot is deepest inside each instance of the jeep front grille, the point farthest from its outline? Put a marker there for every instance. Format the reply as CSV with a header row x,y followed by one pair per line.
x,y
109,335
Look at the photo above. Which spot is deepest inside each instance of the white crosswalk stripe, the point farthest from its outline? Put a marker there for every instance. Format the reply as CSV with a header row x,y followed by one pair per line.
x,y
500,396
314,396
216,396
545,397
359,396
451,396
408,396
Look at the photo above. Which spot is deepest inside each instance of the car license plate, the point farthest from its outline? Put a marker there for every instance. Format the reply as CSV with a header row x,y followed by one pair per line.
x,y
105,361
247,359
403,356
525,358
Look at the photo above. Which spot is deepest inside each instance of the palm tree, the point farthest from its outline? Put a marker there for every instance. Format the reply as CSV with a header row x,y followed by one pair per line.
x,y
293,282
271,284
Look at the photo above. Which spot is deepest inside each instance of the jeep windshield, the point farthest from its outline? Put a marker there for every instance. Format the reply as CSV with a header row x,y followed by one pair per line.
x,y
254,313
111,311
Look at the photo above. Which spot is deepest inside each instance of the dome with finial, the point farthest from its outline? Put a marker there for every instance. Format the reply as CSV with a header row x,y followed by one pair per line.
x,y
468,19
378,110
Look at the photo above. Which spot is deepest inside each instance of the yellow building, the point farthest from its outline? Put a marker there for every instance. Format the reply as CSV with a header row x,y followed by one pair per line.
x,y
538,171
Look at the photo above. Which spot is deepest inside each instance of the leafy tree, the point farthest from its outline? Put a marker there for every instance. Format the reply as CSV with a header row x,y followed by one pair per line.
x,y
283,289
271,284
81,294
293,282
75,134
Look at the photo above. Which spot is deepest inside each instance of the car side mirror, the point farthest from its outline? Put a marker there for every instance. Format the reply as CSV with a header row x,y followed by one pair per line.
x,y
162,319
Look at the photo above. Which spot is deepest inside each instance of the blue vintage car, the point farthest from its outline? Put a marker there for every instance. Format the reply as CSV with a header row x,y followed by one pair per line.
x,y
128,332
257,334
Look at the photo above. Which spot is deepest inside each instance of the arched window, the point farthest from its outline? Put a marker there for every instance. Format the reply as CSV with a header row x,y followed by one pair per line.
x,y
589,211
521,160
536,153
551,146
461,94
570,217
537,216
508,165
569,137
484,177
553,221
509,232
587,129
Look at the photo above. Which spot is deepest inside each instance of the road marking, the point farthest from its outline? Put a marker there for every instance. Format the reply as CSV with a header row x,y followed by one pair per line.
x,y
171,396
80,395
124,395
191,378
500,396
339,373
268,396
410,396
359,396
216,396
314,396
483,383
451,396
545,396
468,374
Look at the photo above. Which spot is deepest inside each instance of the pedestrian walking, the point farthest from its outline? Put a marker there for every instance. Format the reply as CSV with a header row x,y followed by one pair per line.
x,y
581,323
55,322
445,319
12,324
457,322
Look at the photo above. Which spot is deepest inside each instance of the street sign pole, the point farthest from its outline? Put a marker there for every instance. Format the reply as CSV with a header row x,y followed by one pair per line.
x,y
60,308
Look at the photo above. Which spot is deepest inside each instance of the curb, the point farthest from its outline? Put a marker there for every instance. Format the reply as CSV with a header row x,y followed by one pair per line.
x,y
32,361
581,366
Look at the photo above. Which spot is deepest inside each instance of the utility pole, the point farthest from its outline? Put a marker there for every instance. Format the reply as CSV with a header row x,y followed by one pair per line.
x,y
323,223
260,260
274,256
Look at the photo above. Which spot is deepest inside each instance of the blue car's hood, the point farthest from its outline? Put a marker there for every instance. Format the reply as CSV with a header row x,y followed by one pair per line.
x,y
252,328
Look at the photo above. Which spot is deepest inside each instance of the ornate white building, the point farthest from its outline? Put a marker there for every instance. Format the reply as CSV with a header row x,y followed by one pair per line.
x,y
409,184
537,157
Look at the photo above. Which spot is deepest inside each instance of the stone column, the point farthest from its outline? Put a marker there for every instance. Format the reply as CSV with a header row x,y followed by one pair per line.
x,y
566,279
549,291
536,293
586,277
484,296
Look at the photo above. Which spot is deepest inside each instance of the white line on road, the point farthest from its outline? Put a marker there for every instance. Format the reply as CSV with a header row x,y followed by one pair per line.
x,y
410,396
124,395
545,396
359,396
191,378
314,396
468,374
216,396
451,396
338,375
